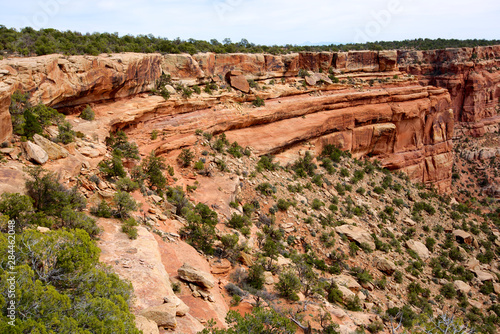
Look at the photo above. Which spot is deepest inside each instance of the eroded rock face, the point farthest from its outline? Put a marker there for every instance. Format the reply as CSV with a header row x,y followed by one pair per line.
x,y
61,81
407,128
469,74
145,325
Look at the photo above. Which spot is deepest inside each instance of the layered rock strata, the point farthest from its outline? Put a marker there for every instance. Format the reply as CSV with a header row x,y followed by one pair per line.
x,y
407,127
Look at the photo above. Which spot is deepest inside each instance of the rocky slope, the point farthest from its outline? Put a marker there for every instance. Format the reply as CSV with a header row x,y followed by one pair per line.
x,y
375,104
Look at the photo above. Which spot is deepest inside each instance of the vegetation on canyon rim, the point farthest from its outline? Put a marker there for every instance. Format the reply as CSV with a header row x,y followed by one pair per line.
x,y
29,41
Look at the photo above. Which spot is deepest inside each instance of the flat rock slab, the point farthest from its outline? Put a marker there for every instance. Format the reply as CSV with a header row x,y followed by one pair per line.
x,y
198,277
357,234
418,248
35,152
162,315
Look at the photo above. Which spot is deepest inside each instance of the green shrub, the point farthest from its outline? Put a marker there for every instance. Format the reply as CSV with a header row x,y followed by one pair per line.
x,y
200,229
317,204
102,210
70,287
430,243
73,219
114,167
118,141
398,277
258,102
419,206
66,134
266,163
238,221
154,134
344,172
124,203
334,294
50,197
199,165
288,285
304,165
256,277
266,188
283,205
18,208
126,184
353,249
448,291
153,167
353,304
197,89
129,228
87,114
185,157
362,275
235,150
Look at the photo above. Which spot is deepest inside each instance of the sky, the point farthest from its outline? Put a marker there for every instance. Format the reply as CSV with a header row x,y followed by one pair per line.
x,y
268,22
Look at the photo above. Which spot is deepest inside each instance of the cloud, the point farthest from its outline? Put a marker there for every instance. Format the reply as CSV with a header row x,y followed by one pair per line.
x,y
265,22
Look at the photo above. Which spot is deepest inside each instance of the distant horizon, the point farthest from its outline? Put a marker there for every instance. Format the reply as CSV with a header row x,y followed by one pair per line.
x,y
317,22
304,44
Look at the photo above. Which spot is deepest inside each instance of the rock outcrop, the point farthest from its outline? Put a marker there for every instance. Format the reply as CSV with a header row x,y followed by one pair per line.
x,y
198,277
35,153
61,81
407,127
54,151
471,76
358,234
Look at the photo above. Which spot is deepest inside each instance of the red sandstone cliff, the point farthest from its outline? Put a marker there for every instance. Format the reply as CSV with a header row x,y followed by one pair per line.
x,y
470,74
408,127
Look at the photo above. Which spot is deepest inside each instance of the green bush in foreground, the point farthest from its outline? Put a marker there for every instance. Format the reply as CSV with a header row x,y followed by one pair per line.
x,y
62,288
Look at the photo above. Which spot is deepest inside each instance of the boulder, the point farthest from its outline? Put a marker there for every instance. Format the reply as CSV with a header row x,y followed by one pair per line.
x,y
316,78
246,259
42,229
53,150
181,309
483,276
461,286
196,276
35,153
463,237
162,315
145,325
418,248
238,81
356,234
89,151
409,222
268,277
385,266
347,281
220,266
346,293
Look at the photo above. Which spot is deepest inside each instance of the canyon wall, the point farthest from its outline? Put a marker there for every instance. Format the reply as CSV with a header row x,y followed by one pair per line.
x,y
471,75
406,124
